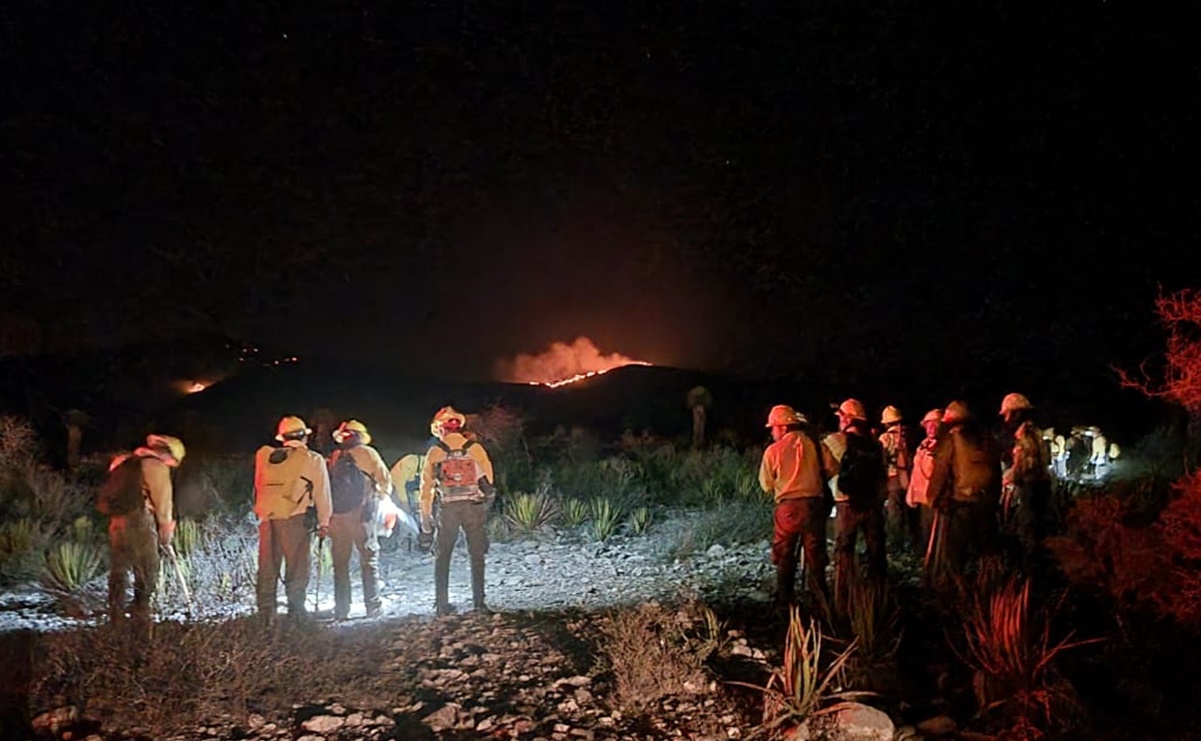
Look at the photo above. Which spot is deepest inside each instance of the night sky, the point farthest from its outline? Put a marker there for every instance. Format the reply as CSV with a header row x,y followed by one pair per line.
x,y
853,190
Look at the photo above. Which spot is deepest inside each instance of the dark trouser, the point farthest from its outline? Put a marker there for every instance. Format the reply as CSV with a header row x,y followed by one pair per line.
x,y
799,522
1030,522
850,522
969,532
471,517
904,523
348,532
133,546
283,543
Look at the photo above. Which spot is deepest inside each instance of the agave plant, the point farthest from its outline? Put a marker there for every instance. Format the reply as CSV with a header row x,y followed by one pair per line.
x,y
639,520
1012,658
805,685
606,517
72,565
575,512
526,513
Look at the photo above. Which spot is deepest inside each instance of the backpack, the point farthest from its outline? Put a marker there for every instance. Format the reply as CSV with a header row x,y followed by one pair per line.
x,y
349,487
458,475
121,493
861,471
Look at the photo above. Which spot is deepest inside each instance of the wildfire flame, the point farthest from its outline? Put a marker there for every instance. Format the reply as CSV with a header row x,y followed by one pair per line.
x,y
562,364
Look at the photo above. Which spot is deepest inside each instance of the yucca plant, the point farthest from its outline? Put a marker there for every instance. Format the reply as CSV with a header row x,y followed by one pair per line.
x,y
574,512
639,520
805,685
1012,658
606,517
71,565
19,536
188,537
873,619
526,513
83,530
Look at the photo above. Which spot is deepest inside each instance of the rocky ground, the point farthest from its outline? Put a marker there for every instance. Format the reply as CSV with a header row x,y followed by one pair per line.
x,y
532,670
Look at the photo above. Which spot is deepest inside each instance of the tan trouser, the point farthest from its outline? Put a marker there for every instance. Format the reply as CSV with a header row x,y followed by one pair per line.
x,y
133,546
348,532
283,543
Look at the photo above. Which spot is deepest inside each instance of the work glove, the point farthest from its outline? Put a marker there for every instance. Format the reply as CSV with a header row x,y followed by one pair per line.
x,y
425,540
166,531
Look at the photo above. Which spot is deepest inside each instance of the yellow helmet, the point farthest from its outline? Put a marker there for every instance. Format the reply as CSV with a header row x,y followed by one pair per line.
x,y
173,446
782,414
447,419
352,427
890,415
1013,402
934,415
956,411
291,427
852,408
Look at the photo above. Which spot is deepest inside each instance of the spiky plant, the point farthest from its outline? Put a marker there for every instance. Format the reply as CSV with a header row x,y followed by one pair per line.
x,y
71,565
806,684
639,520
606,517
188,537
574,512
527,513
1013,658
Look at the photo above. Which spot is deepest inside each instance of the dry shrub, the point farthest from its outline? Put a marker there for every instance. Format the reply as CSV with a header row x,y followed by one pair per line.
x,y
1155,567
188,672
656,651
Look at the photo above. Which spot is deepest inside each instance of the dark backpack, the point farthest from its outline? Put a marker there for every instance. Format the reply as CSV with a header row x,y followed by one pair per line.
x,y
121,493
349,486
861,471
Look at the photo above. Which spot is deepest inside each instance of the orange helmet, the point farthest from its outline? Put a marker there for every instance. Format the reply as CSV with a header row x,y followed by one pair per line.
x,y
782,414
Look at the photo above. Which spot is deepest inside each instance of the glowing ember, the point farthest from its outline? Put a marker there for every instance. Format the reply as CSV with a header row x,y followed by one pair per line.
x,y
562,364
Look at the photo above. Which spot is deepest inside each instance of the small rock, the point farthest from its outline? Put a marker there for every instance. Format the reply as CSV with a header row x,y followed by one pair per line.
x,y
852,722
323,724
443,719
717,550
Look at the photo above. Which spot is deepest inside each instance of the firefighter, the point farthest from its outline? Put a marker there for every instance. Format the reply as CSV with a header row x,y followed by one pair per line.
x,y
917,495
359,479
1026,479
458,474
291,487
964,489
791,472
139,501
853,457
903,524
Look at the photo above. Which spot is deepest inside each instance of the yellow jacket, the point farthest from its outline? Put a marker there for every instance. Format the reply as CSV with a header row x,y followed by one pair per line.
x,y
966,469
454,441
791,468
156,484
287,489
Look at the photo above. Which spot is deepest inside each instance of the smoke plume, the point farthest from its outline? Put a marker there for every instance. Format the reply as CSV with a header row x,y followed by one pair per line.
x,y
561,363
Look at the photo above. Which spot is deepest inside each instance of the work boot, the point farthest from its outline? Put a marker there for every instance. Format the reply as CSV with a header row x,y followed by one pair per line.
x,y
480,608
445,608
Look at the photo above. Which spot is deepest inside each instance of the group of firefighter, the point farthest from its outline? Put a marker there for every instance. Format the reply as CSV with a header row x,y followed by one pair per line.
x,y
957,495
960,494
298,492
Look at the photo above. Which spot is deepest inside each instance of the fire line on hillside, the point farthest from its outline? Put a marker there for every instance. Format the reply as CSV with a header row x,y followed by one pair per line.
x,y
562,364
